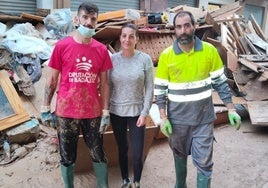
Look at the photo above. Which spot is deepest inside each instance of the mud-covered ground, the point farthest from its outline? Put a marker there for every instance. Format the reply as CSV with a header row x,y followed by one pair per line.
x,y
240,161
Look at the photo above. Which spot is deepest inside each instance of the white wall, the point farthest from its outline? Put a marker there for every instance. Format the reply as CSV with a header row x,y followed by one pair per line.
x,y
204,3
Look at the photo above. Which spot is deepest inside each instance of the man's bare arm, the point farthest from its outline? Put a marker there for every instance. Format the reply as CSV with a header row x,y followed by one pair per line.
x,y
104,90
51,85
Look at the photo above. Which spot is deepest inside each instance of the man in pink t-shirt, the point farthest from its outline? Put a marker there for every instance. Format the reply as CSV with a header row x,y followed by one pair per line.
x,y
78,66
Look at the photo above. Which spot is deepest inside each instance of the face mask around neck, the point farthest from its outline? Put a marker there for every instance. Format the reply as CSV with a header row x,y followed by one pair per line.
x,y
86,32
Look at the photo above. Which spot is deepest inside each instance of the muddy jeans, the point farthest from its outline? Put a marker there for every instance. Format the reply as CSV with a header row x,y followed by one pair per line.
x,y
196,141
68,132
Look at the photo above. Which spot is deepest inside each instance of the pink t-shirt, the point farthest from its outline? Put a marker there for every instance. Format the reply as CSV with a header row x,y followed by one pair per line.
x,y
80,66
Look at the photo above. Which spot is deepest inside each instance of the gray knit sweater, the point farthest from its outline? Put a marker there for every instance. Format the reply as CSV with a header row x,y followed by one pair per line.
x,y
131,84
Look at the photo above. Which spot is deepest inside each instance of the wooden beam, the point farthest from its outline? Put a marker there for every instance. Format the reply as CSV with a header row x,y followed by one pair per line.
x,y
111,15
257,27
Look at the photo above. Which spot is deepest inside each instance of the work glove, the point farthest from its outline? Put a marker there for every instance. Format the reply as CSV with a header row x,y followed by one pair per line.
x,y
166,127
234,118
48,119
105,121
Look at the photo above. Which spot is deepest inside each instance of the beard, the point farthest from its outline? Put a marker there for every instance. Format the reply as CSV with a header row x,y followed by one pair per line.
x,y
185,38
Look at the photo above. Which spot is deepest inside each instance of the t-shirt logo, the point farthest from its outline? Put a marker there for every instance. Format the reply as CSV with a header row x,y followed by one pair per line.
x,y
83,64
83,75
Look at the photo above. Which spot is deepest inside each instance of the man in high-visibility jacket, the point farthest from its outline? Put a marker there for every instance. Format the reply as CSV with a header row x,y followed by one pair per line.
x,y
186,74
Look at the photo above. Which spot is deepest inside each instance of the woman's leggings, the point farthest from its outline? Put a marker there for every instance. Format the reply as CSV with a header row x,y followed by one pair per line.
x,y
136,136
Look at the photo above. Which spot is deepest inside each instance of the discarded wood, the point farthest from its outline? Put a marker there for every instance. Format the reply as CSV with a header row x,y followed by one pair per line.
x,y
111,15
8,18
245,45
236,38
230,8
228,20
227,39
117,23
249,27
232,61
255,58
210,20
238,28
108,32
32,17
258,111
257,41
257,27
251,46
263,71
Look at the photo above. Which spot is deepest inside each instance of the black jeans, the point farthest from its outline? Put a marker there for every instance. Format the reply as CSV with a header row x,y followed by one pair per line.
x,y
68,133
136,136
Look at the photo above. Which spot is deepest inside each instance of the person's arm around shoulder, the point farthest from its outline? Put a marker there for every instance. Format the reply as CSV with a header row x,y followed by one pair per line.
x,y
47,117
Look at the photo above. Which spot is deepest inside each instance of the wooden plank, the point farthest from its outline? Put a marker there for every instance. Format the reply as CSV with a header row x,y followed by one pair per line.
x,y
111,15
228,20
8,18
249,27
238,28
256,90
255,58
255,67
258,112
257,41
252,47
117,23
257,27
227,39
108,32
241,50
245,45
32,17
232,61
225,8
226,15
210,20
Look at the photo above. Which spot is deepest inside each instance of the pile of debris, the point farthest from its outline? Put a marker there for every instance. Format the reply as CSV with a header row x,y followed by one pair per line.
x,y
25,49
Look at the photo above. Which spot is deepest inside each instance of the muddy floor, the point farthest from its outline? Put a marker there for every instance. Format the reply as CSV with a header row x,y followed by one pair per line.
x,y
240,161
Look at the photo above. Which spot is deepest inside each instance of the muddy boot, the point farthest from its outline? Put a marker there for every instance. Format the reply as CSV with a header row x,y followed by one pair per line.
x,y
181,172
68,176
101,172
203,181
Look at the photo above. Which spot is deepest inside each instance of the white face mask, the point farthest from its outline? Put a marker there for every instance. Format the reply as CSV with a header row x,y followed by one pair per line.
x,y
85,31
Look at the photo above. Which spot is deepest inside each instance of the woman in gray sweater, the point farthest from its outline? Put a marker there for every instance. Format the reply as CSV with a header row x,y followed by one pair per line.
x,y
131,82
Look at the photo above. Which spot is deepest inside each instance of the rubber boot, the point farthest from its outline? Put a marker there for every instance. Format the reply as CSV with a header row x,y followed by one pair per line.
x,y
181,172
203,181
101,172
68,176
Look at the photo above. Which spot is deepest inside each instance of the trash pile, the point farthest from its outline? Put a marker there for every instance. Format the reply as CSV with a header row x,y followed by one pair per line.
x,y
26,47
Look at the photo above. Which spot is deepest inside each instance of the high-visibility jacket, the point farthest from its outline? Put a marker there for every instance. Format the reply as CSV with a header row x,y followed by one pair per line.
x,y
187,80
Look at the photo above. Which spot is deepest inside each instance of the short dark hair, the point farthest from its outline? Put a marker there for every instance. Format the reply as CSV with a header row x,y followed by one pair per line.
x,y
183,13
132,26
88,7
